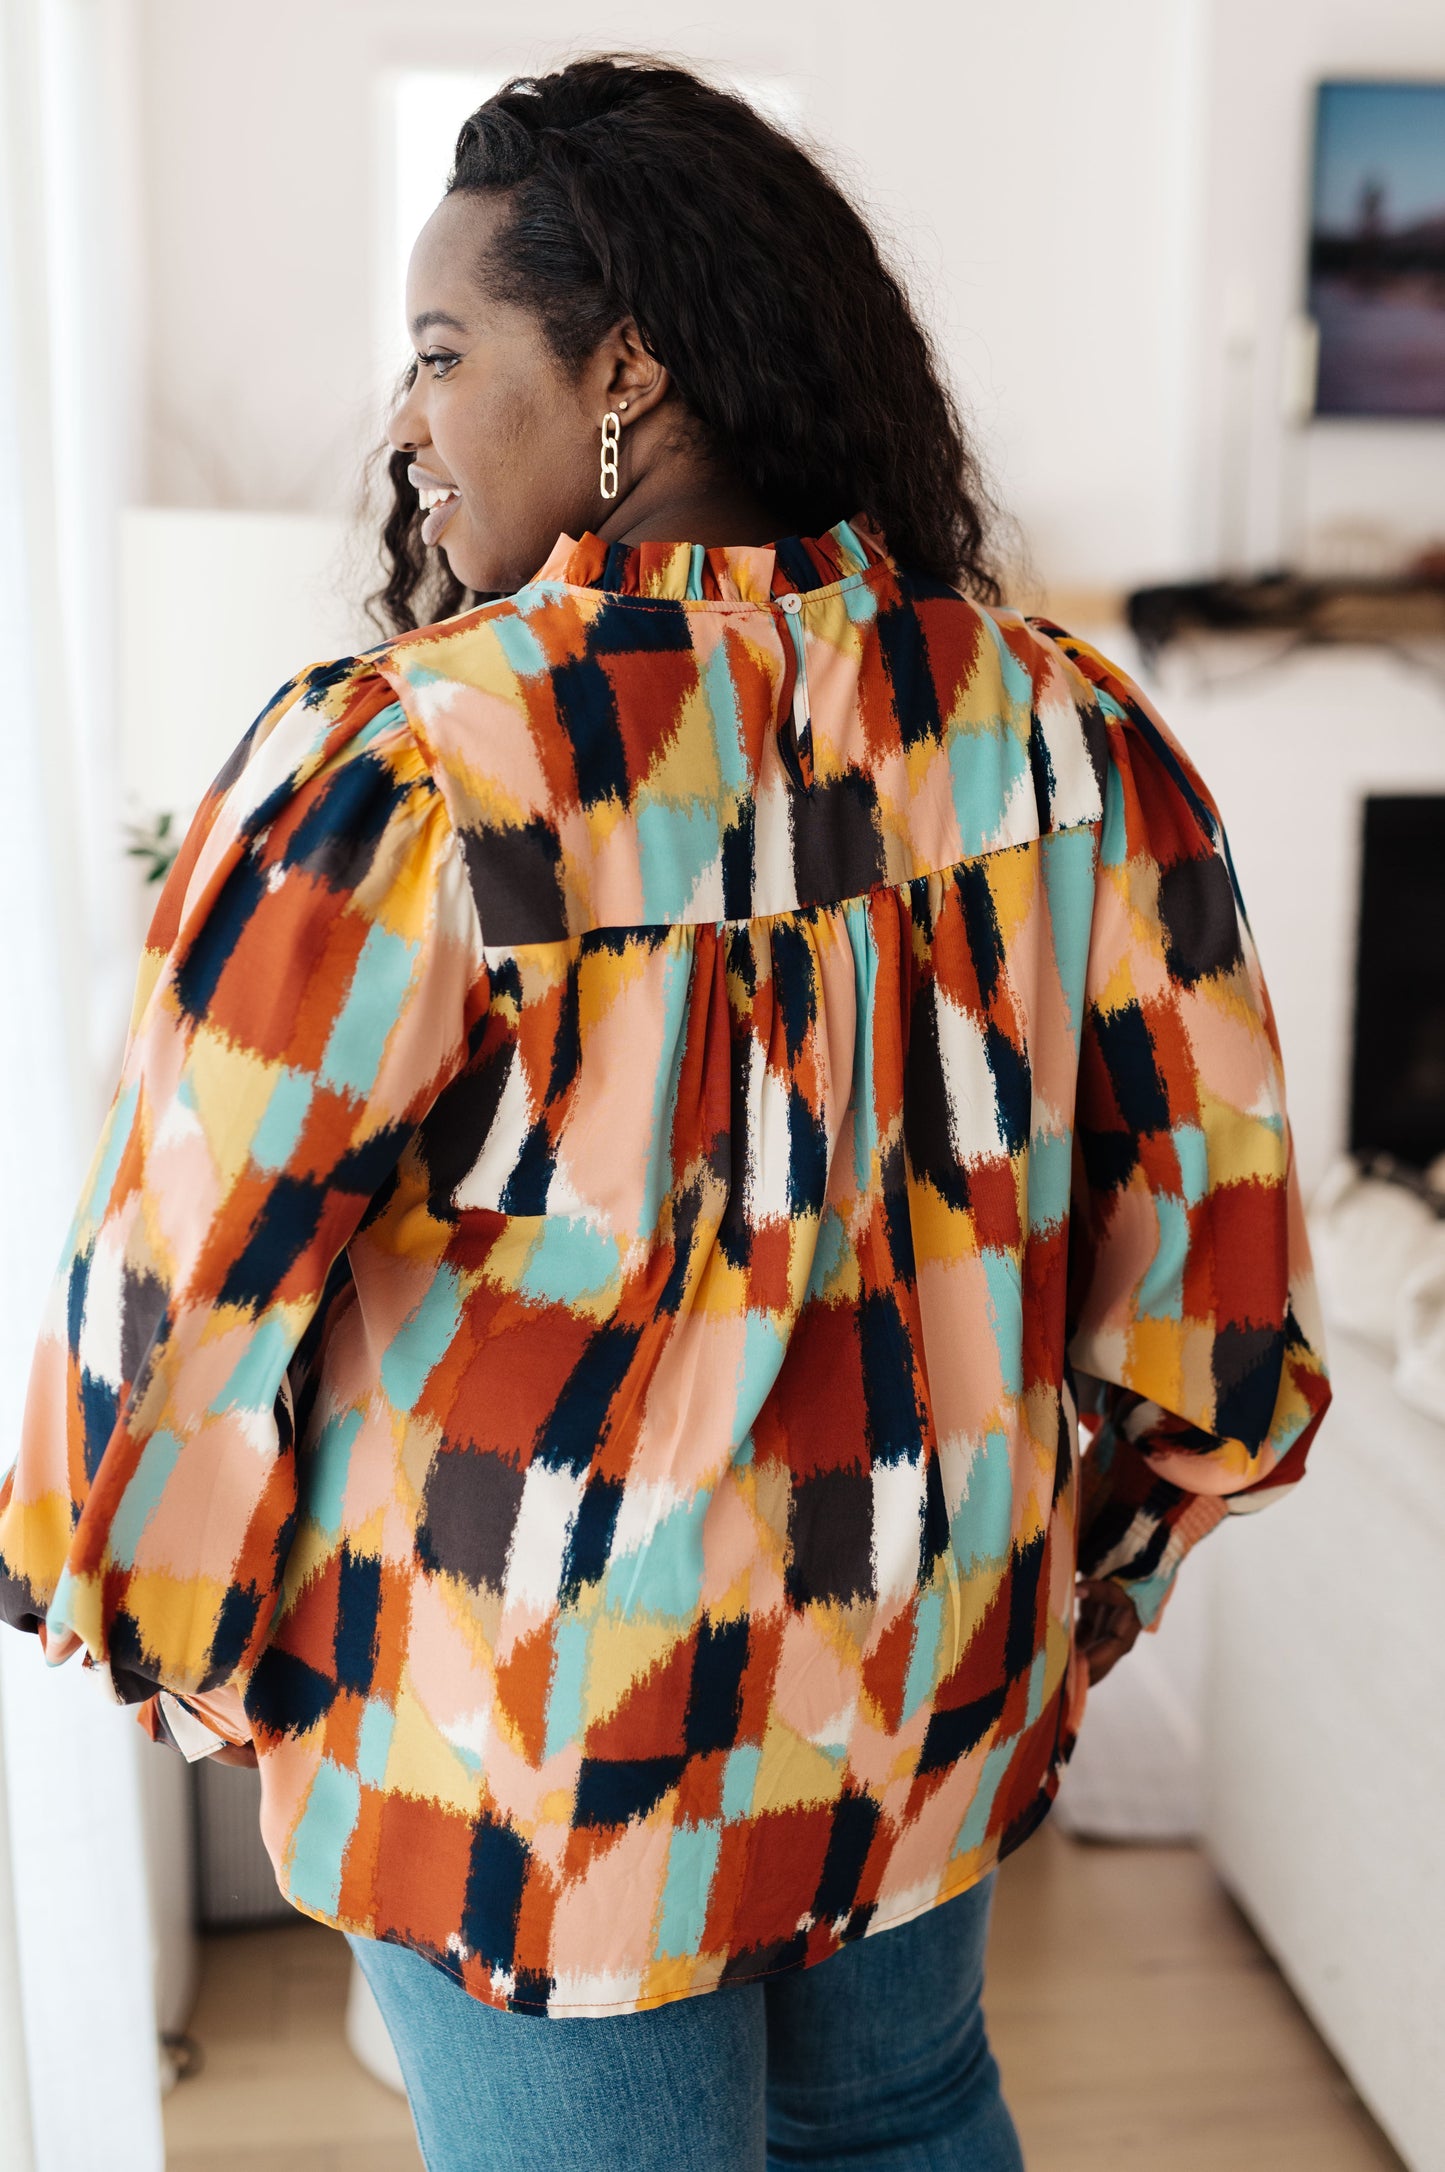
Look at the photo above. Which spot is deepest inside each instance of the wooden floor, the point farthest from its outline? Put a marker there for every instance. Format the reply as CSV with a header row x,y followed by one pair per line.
x,y
278,2087
1137,2020
1139,2023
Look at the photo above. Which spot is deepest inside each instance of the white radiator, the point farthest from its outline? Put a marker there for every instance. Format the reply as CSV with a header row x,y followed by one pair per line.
x,y
235,1881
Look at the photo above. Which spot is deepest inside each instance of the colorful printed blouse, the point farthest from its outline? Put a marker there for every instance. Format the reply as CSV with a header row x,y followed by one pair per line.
x,y
651,1107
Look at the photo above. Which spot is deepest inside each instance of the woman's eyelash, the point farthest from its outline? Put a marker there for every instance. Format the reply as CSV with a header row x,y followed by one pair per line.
x,y
441,362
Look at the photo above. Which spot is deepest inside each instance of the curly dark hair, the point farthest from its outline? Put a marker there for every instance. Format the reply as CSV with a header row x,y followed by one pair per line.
x,y
637,189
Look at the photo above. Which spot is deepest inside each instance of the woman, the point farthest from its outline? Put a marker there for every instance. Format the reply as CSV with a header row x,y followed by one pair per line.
x,y
652,1101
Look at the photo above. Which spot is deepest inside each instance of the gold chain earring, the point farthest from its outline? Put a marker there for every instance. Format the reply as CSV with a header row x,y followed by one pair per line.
x,y
609,450
611,426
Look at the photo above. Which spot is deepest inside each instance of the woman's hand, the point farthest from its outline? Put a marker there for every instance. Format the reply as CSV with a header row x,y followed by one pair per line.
x,y
1107,1624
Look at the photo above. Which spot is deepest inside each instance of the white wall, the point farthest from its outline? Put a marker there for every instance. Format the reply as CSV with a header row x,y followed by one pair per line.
x,y
1094,202
1260,63
218,610
1035,164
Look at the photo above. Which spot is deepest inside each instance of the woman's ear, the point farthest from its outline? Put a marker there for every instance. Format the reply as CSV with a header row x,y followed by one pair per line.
x,y
633,374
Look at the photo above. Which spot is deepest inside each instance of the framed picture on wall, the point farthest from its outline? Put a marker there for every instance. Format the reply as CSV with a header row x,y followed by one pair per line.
x,y
1377,248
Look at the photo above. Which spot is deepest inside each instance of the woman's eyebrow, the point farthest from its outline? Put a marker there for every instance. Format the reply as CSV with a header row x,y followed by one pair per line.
x,y
429,317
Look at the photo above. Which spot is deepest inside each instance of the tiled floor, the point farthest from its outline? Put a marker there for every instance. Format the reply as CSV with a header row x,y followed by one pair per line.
x,y
1138,2022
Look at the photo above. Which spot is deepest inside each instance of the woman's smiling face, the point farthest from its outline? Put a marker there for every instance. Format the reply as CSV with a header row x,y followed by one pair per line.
x,y
494,419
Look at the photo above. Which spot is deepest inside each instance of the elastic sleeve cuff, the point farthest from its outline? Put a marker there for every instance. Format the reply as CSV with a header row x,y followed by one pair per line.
x,y
192,1737
165,1719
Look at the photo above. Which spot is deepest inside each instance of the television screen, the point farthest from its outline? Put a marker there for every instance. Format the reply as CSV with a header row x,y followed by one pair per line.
x,y
1377,248
1397,1098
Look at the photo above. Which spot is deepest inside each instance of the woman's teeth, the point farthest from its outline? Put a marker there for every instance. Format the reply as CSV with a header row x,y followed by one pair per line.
x,y
430,498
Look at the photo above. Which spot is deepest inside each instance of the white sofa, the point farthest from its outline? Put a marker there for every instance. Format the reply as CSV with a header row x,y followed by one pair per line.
x,y
1324,1742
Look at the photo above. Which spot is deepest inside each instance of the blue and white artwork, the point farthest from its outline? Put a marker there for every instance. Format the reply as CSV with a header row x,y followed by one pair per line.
x,y
1377,248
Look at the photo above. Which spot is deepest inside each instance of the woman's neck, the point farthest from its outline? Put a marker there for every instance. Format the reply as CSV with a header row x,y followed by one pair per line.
x,y
689,505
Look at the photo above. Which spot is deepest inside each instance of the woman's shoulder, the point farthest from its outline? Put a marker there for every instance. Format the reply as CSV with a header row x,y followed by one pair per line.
x,y
1140,745
451,646
1056,656
310,743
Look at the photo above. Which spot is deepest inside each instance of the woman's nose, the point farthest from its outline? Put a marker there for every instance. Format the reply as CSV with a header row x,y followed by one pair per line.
x,y
404,428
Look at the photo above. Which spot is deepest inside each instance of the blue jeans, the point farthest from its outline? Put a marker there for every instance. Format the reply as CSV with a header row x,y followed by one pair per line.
x,y
875,2060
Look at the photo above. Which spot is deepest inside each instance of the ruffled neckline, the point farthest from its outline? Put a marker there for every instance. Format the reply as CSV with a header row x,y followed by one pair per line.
x,y
724,573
